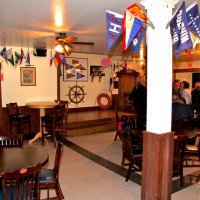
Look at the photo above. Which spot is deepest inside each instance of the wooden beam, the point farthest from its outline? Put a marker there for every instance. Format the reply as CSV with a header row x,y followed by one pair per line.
x,y
186,70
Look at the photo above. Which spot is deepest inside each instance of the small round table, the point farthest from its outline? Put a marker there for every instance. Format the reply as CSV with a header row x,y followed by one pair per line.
x,y
42,106
13,158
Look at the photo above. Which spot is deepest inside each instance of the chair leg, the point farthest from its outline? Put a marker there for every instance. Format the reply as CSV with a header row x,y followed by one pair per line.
x,y
53,138
115,137
11,127
117,134
59,192
129,171
181,176
20,128
30,128
122,164
42,129
48,193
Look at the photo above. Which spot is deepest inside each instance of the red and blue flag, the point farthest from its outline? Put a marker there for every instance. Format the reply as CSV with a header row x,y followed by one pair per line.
x,y
132,25
114,27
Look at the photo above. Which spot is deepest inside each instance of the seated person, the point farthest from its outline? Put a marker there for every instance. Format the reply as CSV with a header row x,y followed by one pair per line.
x,y
180,110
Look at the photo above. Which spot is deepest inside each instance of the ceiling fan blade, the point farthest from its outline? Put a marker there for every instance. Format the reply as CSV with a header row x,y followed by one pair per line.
x,y
83,43
68,38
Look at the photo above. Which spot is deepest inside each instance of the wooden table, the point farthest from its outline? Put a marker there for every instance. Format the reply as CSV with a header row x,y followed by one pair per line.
x,y
42,106
13,158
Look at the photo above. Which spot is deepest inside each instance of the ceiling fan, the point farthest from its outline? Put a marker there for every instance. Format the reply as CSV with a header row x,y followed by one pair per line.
x,y
62,42
65,40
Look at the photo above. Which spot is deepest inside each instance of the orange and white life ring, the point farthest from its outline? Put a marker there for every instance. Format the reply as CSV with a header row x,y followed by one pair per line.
x,y
108,99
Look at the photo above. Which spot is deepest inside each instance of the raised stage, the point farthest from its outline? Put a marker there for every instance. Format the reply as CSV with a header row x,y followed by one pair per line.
x,y
90,122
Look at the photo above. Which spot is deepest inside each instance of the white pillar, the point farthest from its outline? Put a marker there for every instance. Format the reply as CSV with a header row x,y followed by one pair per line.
x,y
159,66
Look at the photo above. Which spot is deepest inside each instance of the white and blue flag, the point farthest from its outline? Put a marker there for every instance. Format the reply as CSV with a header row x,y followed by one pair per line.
x,y
193,18
179,29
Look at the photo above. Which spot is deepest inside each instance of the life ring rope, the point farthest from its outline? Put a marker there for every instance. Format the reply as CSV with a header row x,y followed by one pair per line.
x,y
104,95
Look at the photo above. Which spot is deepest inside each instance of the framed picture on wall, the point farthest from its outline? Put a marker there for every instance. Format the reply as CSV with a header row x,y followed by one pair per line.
x,y
96,70
28,76
76,69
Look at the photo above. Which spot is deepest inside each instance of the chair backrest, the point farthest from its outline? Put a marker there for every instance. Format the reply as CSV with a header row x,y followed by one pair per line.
x,y
63,102
12,109
197,141
21,184
11,141
59,112
64,120
127,148
179,156
179,147
58,159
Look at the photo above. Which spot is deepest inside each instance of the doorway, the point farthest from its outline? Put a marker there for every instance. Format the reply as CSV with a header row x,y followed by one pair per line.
x,y
195,78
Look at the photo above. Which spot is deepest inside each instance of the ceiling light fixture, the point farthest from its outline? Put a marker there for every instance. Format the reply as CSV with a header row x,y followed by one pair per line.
x,y
63,48
59,48
68,48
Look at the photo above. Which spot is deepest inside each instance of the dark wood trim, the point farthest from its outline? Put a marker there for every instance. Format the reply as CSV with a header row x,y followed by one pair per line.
x,y
0,88
186,70
85,109
157,166
58,81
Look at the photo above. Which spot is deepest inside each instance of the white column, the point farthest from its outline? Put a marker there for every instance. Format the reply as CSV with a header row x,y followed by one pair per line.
x,y
159,66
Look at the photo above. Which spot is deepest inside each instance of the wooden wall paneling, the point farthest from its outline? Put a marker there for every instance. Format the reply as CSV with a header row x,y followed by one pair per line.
x,y
127,81
4,122
157,165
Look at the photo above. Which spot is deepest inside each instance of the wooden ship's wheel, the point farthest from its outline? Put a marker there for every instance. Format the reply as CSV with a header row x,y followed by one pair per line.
x,y
76,94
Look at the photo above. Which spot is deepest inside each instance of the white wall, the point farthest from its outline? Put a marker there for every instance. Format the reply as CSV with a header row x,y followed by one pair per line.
x,y
46,81
91,89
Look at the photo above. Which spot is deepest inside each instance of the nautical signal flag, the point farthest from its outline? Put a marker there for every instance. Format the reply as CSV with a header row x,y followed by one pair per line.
x,y
180,31
132,25
17,58
137,41
28,60
193,18
10,56
21,57
79,75
3,53
195,39
137,12
114,27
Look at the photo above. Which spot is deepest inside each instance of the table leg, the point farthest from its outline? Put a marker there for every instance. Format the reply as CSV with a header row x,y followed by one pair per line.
x,y
39,134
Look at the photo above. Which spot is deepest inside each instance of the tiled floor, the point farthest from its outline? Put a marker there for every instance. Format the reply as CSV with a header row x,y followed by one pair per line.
x,y
90,171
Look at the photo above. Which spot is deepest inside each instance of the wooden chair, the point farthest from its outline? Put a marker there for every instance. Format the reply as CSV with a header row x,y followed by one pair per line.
x,y
16,119
124,121
64,123
53,123
11,141
192,151
131,154
117,128
179,156
21,184
50,177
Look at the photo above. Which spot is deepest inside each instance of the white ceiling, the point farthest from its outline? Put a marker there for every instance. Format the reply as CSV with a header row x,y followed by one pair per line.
x,y
26,23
